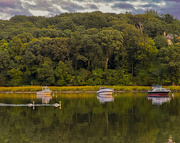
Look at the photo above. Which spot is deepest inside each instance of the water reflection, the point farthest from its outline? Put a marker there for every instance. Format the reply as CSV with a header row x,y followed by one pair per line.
x,y
45,98
45,102
159,100
105,99
84,119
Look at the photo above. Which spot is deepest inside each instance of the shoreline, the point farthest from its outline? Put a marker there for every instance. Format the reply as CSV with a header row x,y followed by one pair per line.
x,y
81,89
33,92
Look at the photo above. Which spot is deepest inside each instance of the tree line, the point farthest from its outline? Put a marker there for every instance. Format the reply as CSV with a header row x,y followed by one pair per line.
x,y
90,49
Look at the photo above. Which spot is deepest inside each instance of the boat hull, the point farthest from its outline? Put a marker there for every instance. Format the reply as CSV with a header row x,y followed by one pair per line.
x,y
156,94
105,94
43,93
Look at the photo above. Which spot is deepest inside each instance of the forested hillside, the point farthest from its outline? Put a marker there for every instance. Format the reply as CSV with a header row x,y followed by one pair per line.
x,y
90,49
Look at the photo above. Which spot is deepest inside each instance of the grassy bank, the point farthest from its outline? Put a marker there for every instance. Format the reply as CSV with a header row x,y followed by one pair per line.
x,y
84,88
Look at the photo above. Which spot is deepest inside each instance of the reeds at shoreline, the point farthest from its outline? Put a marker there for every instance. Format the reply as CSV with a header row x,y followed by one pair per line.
x,y
84,88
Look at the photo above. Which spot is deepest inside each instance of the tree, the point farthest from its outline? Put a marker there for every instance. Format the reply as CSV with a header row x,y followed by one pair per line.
x,y
168,18
19,18
146,53
152,13
132,36
4,66
153,27
76,51
97,76
170,63
46,72
89,46
95,20
138,21
25,37
160,41
66,23
3,45
15,47
81,77
15,76
111,41
62,75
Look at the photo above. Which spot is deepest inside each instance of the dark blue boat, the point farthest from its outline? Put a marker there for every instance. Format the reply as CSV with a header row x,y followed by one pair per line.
x,y
158,91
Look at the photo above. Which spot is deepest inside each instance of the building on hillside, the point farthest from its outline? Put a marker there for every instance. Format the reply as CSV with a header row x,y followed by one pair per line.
x,y
169,38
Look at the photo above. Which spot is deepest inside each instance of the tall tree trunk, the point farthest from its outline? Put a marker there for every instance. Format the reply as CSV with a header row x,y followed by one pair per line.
x,y
107,59
141,27
88,64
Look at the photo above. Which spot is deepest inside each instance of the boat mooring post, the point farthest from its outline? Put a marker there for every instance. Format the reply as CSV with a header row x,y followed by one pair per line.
x,y
33,105
59,104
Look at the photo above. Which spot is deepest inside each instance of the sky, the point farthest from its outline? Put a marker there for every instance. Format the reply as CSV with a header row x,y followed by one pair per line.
x,y
49,8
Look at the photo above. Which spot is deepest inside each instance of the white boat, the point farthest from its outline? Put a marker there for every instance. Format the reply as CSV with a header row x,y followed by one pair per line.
x,y
105,92
45,91
158,91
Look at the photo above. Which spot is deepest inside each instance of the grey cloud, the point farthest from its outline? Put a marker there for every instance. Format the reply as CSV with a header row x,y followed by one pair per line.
x,y
93,6
97,1
16,7
13,7
149,1
71,7
80,0
150,6
138,11
8,4
171,8
4,5
43,6
173,1
174,10
123,6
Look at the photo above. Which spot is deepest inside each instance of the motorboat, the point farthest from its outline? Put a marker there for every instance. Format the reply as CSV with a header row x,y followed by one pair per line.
x,y
45,91
105,92
158,91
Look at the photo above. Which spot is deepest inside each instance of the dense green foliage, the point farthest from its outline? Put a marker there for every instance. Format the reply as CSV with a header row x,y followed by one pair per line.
x,y
90,49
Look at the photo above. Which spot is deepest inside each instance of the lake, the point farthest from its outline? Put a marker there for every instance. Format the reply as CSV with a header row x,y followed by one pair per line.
x,y
84,118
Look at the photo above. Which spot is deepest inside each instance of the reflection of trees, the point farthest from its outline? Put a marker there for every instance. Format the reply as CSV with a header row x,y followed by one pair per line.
x,y
130,119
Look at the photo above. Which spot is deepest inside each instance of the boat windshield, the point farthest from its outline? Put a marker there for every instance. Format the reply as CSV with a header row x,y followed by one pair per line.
x,y
156,86
45,89
102,88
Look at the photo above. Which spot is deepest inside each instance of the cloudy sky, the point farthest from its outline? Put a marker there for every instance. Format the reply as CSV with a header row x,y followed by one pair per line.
x,y
48,8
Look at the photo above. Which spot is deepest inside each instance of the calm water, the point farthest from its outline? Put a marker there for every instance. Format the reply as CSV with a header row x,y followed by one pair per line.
x,y
83,118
